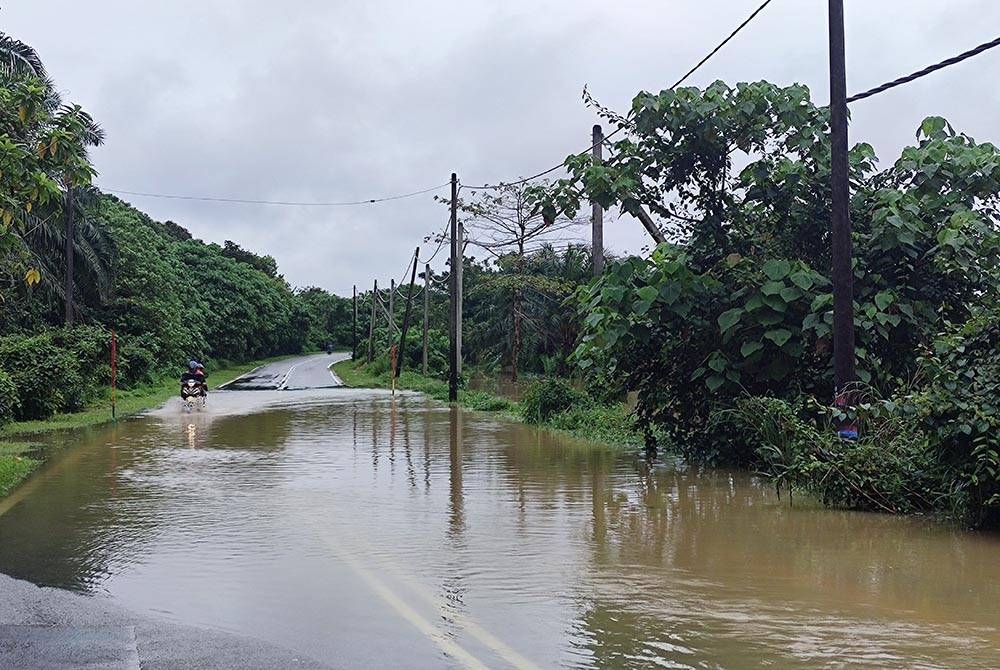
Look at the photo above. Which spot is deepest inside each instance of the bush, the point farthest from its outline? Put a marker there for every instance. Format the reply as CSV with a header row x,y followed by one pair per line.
x,y
10,403
485,402
47,378
960,411
890,468
548,397
611,424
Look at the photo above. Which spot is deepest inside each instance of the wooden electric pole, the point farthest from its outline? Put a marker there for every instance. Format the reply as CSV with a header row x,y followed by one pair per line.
x,y
843,275
406,314
427,313
354,325
460,290
371,324
453,295
392,305
597,212
70,236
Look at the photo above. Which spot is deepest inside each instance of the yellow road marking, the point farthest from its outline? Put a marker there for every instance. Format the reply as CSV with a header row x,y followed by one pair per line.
x,y
503,650
446,644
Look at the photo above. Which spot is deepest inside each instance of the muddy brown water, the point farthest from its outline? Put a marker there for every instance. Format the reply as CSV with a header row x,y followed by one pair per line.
x,y
372,531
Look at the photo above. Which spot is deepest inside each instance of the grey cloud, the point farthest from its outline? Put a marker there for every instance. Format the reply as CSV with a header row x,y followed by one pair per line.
x,y
334,100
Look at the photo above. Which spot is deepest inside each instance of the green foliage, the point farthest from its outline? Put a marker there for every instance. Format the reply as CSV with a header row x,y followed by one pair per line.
x,y
959,408
10,403
891,468
548,397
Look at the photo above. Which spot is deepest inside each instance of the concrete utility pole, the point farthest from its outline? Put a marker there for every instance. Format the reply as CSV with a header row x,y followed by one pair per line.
x,y
354,325
597,212
461,295
453,294
427,313
70,236
406,314
371,323
843,275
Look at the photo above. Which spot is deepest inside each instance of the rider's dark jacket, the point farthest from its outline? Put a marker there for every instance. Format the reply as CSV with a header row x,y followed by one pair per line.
x,y
198,378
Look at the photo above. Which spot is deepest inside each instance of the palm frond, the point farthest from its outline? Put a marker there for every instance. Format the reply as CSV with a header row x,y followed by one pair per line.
x,y
17,59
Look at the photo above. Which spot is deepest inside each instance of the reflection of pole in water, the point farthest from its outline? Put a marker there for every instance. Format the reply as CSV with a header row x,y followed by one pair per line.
x,y
456,501
411,474
374,437
392,435
354,430
425,416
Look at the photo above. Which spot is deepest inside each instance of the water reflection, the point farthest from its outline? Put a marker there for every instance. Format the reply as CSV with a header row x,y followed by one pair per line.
x,y
388,531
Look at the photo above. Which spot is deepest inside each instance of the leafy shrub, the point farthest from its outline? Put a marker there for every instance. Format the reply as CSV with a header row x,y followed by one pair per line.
x,y
960,410
485,402
545,398
891,468
46,377
10,403
612,424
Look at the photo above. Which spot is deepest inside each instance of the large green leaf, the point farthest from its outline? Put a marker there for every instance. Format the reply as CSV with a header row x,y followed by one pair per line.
x,y
779,336
729,318
777,269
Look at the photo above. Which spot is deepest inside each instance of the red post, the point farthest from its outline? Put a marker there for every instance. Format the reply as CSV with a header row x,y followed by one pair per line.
x,y
114,371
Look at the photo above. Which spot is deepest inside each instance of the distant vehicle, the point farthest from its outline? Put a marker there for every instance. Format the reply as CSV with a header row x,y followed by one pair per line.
x,y
193,394
329,348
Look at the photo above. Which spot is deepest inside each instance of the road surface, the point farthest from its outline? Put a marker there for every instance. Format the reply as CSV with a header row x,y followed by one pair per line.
x,y
51,629
291,374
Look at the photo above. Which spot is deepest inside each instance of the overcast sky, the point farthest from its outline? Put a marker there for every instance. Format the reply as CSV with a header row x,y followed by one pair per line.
x,y
333,100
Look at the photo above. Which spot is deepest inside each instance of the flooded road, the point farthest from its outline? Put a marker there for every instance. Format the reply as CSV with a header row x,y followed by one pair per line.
x,y
370,531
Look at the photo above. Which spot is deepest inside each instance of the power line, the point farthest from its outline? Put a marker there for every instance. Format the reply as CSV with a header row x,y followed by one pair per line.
x,y
292,203
680,81
722,44
926,71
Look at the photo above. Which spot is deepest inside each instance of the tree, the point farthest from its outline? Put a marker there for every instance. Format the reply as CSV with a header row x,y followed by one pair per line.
x,y
504,222
43,163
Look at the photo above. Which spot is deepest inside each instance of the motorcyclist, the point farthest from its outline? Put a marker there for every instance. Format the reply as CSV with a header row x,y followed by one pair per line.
x,y
195,371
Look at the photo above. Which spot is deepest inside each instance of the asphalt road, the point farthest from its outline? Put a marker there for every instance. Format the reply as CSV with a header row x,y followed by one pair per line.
x,y
304,372
52,629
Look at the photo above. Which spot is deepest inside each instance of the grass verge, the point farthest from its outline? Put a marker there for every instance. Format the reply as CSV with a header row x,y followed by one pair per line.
x,y
20,459
594,422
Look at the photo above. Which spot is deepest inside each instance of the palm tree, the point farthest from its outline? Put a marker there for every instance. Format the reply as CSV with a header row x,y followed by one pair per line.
x,y
60,135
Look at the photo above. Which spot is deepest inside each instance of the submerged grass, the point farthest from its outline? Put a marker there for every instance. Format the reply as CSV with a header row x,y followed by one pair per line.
x,y
606,424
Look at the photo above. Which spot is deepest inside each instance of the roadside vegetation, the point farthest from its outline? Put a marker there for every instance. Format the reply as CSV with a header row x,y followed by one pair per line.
x,y
723,331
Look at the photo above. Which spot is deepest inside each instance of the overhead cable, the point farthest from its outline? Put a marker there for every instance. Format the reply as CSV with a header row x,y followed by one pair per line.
x,y
926,71
292,203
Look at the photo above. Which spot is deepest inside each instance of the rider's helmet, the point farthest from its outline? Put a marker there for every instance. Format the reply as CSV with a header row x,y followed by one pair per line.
x,y
199,366
192,365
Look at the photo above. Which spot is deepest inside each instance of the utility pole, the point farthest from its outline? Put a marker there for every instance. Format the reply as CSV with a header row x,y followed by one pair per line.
x,y
427,313
392,305
371,324
354,325
597,212
453,293
406,313
460,289
70,236
843,275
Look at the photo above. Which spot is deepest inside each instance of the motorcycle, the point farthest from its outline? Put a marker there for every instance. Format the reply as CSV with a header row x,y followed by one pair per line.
x,y
193,394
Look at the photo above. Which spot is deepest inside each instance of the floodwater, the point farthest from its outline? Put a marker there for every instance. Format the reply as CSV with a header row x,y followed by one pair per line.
x,y
372,531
